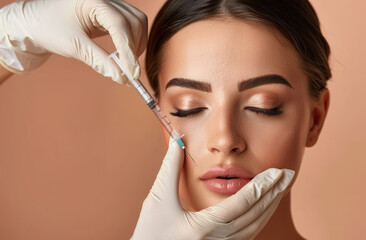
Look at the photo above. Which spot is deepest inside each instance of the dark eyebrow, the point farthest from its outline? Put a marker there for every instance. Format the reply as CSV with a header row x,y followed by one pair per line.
x,y
189,83
262,80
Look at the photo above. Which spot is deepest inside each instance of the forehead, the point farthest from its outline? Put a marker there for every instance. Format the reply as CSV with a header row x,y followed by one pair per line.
x,y
231,49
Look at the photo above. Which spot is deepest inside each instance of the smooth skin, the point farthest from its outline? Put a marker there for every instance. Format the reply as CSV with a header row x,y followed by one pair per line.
x,y
227,124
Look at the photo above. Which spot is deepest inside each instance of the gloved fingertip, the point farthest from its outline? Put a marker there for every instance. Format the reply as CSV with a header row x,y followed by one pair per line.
x,y
136,71
272,173
288,176
131,65
171,140
172,143
172,162
133,70
262,182
110,69
117,80
174,149
289,172
116,77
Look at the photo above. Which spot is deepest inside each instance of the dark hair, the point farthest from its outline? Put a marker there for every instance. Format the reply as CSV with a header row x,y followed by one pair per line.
x,y
295,19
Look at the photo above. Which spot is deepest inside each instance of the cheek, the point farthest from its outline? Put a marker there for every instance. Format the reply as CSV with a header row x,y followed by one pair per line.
x,y
194,132
279,143
193,195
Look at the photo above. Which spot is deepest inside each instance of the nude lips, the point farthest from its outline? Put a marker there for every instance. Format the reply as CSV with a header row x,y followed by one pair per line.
x,y
226,180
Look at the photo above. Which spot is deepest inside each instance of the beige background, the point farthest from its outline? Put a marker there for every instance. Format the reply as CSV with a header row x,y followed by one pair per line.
x,y
79,152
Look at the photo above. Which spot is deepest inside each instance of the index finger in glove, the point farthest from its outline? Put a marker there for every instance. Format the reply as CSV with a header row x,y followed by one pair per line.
x,y
167,180
239,203
119,27
138,24
262,204
261,211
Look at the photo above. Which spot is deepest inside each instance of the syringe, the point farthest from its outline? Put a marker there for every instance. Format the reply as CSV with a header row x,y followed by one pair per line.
x,y
153,105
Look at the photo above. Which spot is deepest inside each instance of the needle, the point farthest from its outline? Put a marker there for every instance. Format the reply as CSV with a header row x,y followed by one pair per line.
x,y
195,164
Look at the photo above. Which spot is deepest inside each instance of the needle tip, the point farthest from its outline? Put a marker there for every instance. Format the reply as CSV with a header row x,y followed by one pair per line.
x,y
194,162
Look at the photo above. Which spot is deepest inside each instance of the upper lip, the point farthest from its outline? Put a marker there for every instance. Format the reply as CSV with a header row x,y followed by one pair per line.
x,y
229,171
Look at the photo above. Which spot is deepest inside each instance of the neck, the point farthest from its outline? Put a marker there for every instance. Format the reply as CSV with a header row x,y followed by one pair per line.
x,y
280,226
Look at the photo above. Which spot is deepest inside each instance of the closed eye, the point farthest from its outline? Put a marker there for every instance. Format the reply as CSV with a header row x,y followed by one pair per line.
x,y
266,111
186,113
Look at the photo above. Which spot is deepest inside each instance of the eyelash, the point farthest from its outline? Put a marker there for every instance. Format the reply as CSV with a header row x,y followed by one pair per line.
x,y
270,112
186,113
266,111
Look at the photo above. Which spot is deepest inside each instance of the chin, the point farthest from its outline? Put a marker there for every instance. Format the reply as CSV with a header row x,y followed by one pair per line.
x,y
195,197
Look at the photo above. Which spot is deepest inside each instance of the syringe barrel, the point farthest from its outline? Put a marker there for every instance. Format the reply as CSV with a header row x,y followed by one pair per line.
x,y
135,82
156,109
151,103
142,91
164,120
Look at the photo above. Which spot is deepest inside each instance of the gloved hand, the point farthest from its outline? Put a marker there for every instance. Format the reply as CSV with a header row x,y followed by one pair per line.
x,y
30,31
240,216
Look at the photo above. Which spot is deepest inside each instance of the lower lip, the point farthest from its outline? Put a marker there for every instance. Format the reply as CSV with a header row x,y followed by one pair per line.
x,y
225,186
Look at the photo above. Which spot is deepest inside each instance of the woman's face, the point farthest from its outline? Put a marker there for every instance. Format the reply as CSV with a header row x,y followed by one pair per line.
x,y
237,92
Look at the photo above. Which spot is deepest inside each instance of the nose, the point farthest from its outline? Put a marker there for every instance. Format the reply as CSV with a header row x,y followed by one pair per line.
x,y
225,135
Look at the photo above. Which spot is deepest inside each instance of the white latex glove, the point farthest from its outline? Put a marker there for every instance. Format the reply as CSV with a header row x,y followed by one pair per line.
x,y
30,31
241,216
